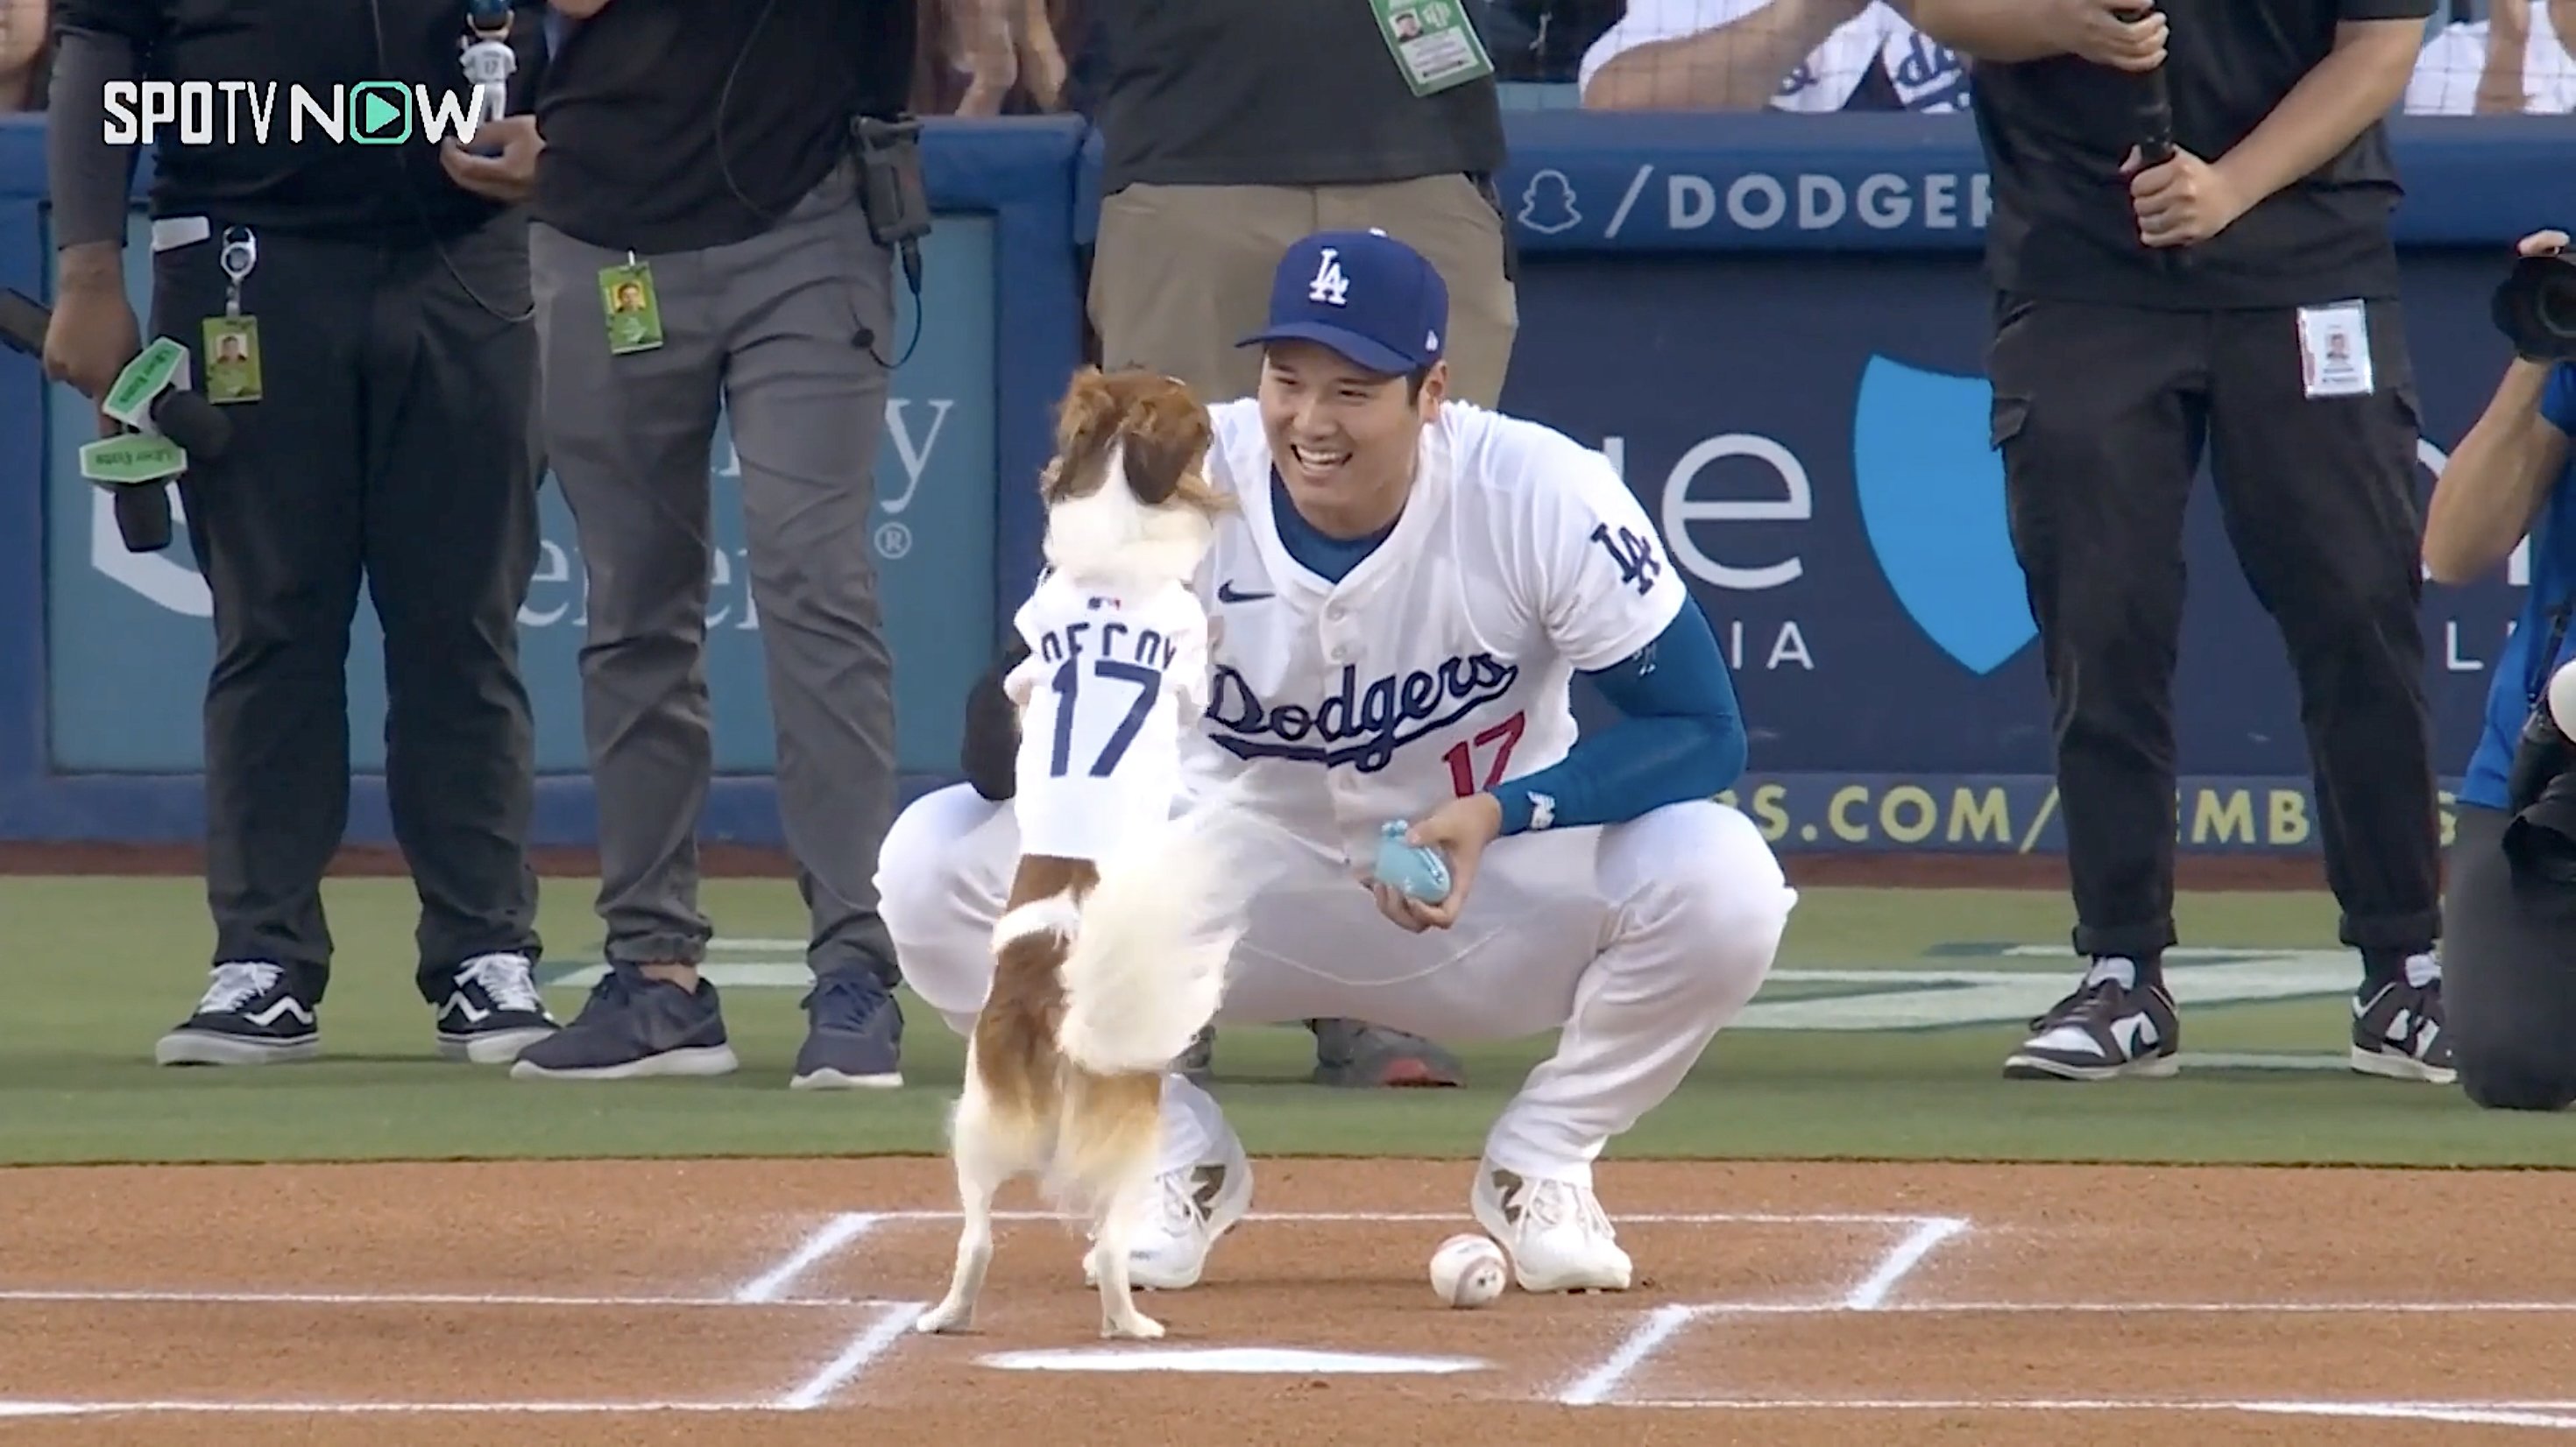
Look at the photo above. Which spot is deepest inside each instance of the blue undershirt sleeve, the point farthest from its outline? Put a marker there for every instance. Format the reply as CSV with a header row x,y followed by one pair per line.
x,y
1679,737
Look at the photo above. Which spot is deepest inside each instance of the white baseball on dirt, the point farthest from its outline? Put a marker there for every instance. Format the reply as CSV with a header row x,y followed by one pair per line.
x,y
1468,1270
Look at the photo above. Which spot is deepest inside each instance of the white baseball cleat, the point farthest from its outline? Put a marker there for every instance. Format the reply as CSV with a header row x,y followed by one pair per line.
x,y
1556,1233
1192,1207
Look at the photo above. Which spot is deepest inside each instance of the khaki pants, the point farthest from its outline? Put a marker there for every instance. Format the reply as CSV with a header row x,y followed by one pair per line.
x,y
1182,273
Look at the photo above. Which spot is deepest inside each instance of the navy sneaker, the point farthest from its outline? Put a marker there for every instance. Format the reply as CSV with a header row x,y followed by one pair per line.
x,y
634,1026
253,1013
855,1037
492,1010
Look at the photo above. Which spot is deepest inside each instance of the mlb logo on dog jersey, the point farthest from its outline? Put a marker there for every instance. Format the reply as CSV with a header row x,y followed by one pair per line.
x,y
1329,286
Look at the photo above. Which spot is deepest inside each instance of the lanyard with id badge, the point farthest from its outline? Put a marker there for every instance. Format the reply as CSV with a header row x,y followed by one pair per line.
x,y
1435,46
232,340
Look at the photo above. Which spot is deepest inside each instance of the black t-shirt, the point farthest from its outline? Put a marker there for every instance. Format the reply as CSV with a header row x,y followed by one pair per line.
x,y
674,125
389,194
1275,93
2056,131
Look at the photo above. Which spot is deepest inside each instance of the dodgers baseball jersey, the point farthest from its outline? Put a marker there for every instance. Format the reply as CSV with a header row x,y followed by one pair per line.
x,y
1112,680
1441,664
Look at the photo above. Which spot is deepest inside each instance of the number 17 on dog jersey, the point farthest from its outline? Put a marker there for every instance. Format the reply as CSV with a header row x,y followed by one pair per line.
x,y
1109,683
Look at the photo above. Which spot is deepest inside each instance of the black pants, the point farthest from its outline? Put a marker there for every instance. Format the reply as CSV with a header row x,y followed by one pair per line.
x,y
391,448
2508,974
2101,414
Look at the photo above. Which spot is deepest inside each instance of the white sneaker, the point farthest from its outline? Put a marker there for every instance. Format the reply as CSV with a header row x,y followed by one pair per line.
x,y
1556,1233
1191,1208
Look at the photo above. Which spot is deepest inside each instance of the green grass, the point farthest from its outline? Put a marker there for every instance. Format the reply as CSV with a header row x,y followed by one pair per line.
x,y
103,966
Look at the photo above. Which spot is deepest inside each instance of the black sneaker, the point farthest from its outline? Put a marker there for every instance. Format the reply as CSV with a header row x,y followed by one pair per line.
x,y
632,1026
2107,1029
252,1014
2397,1028
854,1035
493,1011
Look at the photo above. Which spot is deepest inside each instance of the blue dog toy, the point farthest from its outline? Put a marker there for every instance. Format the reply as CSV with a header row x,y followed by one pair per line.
x,y
1416,870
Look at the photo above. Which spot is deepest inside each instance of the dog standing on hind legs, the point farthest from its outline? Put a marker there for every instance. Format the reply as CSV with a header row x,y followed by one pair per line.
x,y
1111,952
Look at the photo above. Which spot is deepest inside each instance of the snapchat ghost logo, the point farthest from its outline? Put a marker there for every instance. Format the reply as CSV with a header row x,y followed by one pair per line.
x,y
1547,203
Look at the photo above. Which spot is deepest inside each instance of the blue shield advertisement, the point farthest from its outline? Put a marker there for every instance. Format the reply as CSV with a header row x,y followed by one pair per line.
x,y
1931,497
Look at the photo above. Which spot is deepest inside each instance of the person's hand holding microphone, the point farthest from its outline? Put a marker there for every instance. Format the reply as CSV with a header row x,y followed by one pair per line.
x,y
2179,198
91,334
2121,34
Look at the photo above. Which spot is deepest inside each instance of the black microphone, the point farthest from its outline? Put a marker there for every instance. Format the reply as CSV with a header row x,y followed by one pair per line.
x,y
143,516
2155,105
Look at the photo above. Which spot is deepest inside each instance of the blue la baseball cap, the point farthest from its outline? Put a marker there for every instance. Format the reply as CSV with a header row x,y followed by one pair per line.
x,y
1364,294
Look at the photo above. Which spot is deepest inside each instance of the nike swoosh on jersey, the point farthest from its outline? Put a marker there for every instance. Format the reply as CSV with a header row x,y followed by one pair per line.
x,y
1225,593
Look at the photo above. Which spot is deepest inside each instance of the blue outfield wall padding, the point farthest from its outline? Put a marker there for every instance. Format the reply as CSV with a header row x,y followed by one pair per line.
x,y
1020,174
1803,417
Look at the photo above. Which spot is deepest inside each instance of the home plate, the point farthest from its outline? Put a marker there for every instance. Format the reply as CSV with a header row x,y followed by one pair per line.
x,y
1255,1361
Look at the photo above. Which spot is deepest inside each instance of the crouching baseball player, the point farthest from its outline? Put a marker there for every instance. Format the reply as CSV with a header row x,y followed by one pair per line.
x,y
1402,599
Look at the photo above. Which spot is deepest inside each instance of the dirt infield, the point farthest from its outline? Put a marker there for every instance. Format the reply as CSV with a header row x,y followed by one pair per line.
x,y
723,1302
1894,870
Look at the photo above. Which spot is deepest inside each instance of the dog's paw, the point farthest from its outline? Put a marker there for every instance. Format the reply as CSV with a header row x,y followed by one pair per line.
x,y
1136,1327
944,1319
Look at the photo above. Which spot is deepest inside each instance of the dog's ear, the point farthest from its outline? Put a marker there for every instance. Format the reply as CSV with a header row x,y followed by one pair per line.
x,y
1167,435
1086,423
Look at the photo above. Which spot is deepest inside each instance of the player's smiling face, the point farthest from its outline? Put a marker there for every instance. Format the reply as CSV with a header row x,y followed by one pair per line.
x,y
1344,438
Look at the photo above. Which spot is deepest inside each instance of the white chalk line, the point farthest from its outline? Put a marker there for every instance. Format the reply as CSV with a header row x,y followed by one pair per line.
x,y
2558,1415
1661,1325
826,1239
426,1298
1363,1218
1710,1308
1901,1259
893,1323
10,1409
1594,1387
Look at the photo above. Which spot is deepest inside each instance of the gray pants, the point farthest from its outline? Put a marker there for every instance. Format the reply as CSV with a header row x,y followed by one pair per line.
x,y
770,325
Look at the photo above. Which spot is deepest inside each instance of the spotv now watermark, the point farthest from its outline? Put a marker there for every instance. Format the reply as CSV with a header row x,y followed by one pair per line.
x,y
236,112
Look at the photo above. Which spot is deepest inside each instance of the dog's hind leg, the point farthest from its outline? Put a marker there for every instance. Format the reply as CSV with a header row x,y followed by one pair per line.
x,y
986,1159
1116,1159
1120,1215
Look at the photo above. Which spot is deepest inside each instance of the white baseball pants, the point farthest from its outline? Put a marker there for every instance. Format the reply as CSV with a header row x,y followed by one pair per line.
x,y
1637,942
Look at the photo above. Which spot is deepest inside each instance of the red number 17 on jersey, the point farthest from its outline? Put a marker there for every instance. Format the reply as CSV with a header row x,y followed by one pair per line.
x,y
1501,738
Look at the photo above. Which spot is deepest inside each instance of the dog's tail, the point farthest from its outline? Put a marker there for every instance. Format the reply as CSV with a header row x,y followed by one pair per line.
x,y
1147,966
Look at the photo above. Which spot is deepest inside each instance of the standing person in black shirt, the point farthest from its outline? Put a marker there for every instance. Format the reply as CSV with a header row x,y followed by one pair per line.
x,y
700,238
2242,294
1231,129
380,438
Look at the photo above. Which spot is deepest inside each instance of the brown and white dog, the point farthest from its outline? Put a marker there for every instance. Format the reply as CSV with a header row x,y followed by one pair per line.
x,y
1104,967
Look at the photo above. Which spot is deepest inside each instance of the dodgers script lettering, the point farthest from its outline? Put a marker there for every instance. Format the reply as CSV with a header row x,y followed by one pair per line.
x,y
1361,724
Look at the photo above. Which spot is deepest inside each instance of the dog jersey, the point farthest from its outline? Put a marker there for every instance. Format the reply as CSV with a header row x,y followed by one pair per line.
x,y
1112,680
1442,663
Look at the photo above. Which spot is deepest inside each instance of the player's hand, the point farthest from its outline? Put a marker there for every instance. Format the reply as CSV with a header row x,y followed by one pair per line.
x,y
2183,201
510,176
2541,243
1460,830
92,336
2094,30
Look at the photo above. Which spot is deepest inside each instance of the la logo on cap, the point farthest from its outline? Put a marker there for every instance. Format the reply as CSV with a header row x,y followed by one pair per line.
x,y
1330,286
